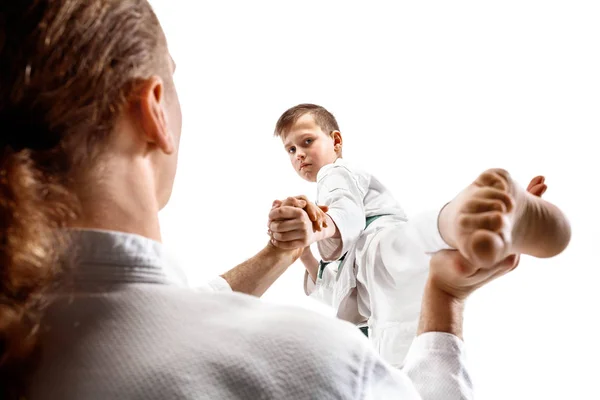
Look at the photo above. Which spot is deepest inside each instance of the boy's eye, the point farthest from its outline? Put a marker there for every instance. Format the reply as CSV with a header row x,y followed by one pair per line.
x,y
308,141
291,150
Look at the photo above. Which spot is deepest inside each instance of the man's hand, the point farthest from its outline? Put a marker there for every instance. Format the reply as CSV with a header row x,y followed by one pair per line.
x,y
453,275
451,280
315,213
289,225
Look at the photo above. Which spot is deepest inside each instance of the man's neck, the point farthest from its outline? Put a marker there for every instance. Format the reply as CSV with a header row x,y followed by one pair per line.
x,y
115,219
124,203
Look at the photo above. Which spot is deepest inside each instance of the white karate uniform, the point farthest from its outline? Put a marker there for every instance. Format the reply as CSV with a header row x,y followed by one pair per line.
x,y
383,274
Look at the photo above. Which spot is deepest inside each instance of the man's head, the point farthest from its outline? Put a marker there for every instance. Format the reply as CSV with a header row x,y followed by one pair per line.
x,y
311,137
89,117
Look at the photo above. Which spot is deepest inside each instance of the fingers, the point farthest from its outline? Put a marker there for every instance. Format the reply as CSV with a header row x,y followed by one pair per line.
x,y
294,202
276,204
461,266
511,262
285,212
298,201
459,277
289,213
316,215
450,266
286,225
289,202
313,212
289,225
317,225
320,220
301,197
485,276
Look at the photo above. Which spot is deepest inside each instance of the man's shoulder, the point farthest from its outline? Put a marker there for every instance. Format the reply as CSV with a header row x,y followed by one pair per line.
x,y
290,321
252,315
299,347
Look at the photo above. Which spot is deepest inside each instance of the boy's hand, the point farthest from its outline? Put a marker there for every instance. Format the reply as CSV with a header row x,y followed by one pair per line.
x,y
317,214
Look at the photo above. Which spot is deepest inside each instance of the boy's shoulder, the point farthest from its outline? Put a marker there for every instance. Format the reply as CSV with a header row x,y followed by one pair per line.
x,y
341,166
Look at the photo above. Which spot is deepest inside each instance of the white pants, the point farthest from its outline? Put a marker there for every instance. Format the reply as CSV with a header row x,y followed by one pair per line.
x,y
391,271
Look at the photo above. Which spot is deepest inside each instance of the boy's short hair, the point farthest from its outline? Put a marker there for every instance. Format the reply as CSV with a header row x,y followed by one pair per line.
x,y
323,118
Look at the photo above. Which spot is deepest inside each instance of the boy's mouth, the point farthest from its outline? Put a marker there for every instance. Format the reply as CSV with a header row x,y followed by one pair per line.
x,y
303,165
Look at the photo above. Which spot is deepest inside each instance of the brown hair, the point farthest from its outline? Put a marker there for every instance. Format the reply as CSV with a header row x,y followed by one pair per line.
x,y
323,118
69,67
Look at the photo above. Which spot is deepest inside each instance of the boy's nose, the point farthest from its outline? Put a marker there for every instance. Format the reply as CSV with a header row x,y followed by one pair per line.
x,y
300,155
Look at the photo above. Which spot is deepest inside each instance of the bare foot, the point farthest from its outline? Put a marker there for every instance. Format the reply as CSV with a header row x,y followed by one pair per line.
x,y
494,217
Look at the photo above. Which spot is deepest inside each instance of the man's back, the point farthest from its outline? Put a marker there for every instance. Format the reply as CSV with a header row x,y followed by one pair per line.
x,y
151,341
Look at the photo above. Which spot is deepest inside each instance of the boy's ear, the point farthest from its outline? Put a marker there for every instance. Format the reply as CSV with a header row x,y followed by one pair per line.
x,y
337,139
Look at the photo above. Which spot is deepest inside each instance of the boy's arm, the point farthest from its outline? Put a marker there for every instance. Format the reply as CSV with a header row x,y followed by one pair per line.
x,y
318,284
310,263
341,192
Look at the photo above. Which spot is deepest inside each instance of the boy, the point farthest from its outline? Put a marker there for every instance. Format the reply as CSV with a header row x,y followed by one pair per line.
x,y
379,261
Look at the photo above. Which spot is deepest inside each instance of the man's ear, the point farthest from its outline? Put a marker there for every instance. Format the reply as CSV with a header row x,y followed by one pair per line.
x,y
152,118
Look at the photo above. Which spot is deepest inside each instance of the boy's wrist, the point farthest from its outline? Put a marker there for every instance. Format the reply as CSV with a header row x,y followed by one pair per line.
x,y
307,257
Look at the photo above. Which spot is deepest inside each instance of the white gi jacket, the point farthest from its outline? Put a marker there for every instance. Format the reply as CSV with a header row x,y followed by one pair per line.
x,y
130,328
385,267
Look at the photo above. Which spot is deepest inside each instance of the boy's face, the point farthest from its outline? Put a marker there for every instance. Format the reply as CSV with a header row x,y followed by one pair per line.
x,y
309,147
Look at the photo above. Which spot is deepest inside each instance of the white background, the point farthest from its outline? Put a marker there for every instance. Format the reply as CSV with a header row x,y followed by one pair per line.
x,y
427,94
